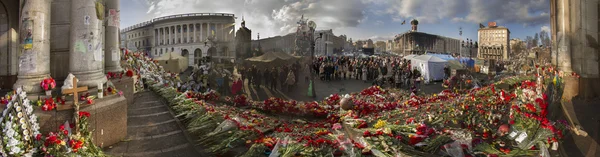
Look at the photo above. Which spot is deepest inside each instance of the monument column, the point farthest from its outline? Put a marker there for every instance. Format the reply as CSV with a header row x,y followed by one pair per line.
x,y
111,44
34,62
85,54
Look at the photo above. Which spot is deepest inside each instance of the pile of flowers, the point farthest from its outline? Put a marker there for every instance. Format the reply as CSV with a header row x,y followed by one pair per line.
x,y
66,142
379,122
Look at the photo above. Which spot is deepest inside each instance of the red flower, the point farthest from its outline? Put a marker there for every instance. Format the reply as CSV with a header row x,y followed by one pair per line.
x,y
129,73
38,137
83,113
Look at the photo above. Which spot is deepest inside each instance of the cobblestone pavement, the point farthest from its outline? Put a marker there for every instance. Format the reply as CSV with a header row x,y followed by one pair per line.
x,y
152,130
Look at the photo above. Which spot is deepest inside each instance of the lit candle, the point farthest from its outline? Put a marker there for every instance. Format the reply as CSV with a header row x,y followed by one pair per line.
x,y
100,91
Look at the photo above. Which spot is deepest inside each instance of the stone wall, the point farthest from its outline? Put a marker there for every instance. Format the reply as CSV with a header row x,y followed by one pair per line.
x,y
108,119
125,84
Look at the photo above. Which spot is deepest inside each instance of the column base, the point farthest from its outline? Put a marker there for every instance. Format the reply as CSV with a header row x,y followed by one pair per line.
x,y
113,69
90,79
30,83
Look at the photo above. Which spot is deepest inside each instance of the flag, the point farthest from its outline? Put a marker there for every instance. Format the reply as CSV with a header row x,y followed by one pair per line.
x,y
403,22
481,25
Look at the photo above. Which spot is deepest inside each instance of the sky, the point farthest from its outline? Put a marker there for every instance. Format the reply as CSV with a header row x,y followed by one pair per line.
x,y
358,19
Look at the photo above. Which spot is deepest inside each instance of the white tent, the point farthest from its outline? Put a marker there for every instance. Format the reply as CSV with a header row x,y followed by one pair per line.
x,y
409,57
431,67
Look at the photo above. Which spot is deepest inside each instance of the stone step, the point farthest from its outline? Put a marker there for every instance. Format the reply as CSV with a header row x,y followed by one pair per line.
x,y
156,146
148,110
143,119
150,114
156,129
172,133
139,104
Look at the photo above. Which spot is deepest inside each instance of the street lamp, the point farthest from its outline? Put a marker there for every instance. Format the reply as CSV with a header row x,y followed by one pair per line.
x,y
312,26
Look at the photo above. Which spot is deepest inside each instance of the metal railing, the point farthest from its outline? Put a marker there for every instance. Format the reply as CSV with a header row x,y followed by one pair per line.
x,y
146,23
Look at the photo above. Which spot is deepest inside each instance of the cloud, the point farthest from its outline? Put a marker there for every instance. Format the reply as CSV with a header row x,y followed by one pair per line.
x,y
524,12
546,28
379,23
271,17
379,38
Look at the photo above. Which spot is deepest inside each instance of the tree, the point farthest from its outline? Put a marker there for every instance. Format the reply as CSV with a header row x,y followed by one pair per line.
x,y
529,42
544,38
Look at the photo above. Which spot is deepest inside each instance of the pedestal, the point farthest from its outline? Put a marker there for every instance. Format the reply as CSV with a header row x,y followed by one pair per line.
x,y
126,85
34,62
108,119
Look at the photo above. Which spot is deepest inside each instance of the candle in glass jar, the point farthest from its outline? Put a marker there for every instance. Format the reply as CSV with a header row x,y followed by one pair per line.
x,y
100,91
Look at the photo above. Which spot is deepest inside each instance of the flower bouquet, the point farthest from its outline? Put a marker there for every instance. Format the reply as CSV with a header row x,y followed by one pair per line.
x,y
48,85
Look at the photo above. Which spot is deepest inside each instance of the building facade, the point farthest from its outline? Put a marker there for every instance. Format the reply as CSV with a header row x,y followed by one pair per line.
x,y
494,43
324,46
286,43
194,35
413,42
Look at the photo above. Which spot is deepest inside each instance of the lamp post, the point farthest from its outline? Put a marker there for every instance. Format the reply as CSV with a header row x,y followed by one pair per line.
x,y
312,26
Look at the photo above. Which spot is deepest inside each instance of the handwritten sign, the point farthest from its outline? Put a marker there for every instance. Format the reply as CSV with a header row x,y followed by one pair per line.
x,y
115,55
27,34
113,18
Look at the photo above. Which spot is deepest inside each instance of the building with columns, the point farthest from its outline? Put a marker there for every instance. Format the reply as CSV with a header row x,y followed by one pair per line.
x,y
43,38
324,46
494,42
194,35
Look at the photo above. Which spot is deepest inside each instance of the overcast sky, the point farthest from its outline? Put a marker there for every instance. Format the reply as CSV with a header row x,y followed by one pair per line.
x,y
358,19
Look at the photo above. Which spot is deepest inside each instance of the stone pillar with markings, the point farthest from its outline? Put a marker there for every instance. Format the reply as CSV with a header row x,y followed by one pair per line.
x,y
34,62
85,53
111,47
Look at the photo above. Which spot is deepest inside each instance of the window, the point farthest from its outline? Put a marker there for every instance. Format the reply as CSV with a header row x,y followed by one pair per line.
x,y
155,52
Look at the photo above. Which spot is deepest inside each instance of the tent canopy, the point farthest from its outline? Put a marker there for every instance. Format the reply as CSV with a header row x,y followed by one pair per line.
x,y
272,56
443,56
429,58
173,62
431,67
408,57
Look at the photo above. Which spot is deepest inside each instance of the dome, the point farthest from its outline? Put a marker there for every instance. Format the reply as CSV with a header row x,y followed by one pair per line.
x,y
414,22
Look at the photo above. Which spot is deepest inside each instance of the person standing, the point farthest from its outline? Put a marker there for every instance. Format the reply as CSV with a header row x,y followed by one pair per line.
x,y
290,80
273,79
267,77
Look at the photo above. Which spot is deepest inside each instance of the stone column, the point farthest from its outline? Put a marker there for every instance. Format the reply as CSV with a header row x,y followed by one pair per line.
x,y
34,62
195,30
188,33
112,61
208,29
85,54
201,37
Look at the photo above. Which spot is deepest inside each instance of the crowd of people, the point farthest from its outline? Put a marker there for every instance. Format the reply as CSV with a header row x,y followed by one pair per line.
x,y
394,72
284,78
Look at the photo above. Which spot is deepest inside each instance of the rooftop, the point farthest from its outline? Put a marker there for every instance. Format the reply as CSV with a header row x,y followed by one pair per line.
x,y
146,23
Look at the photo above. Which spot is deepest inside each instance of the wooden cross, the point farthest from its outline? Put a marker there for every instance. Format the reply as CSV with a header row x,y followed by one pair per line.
x,y
75,92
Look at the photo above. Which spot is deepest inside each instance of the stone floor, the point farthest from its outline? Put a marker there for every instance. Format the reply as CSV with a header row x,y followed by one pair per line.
x,y
152,130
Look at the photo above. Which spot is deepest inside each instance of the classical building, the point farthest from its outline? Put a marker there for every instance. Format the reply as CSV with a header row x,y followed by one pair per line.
x,y
324,46
414,42
243,41
194,35
494,42
389,45
286,43
380,46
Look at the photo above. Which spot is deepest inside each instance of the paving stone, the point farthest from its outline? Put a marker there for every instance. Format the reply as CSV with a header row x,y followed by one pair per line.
x,y
117,150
